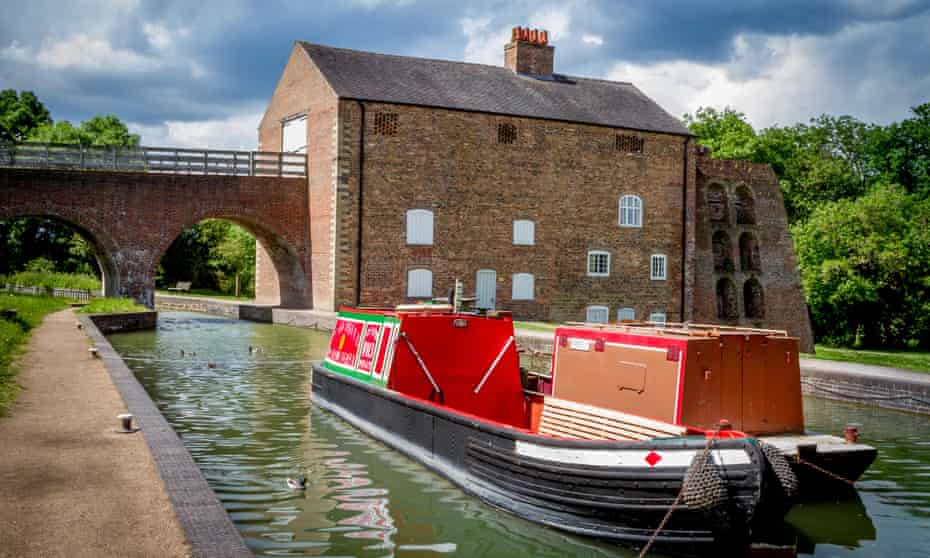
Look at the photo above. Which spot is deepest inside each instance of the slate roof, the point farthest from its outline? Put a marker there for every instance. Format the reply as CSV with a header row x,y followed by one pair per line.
x,y
370,76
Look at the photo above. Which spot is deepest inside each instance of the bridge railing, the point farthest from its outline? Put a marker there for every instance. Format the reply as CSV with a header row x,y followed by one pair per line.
x,y
164,160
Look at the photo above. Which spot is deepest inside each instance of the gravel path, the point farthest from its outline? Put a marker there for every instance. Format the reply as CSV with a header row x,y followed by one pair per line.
x,y
70,486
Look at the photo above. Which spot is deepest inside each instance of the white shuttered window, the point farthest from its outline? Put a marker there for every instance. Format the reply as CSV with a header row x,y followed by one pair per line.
x,y
631,211
295,135
626,314
420,283
597,314
420,227
658,271
524,232
523,286
657,317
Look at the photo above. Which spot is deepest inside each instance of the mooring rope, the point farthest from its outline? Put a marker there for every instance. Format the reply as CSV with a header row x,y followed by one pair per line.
x,y
825,472
668,514
862,397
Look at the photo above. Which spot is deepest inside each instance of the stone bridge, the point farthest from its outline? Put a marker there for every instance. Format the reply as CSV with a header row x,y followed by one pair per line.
x,y
131,204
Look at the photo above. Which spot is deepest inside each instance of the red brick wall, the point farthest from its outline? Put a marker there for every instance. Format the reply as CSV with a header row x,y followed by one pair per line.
x,y
134,217
568,178
785,307
302,90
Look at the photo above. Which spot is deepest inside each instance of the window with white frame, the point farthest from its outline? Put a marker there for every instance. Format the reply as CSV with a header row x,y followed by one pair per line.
x,y
598,263
597,314
524,232
420,227
657,317
631,211
626,314
658,267
523,286
420,283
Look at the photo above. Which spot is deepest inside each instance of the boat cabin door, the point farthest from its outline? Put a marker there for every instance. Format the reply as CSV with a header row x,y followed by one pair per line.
x,y
486,289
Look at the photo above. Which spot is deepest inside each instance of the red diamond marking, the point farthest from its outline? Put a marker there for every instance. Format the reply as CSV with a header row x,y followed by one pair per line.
x,y
652,458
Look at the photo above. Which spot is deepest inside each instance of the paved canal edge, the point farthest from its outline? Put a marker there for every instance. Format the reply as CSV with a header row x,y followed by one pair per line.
x,y
209,529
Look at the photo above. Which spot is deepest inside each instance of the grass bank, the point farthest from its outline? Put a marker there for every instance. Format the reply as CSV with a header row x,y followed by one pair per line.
x,y
535,326
30,311
111,306
910,360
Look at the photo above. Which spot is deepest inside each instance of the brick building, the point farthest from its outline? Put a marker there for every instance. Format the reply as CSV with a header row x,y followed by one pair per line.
x,y
557,197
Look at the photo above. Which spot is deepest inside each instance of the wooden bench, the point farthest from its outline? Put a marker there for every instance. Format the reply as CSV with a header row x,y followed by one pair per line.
x,y
567,419
182,286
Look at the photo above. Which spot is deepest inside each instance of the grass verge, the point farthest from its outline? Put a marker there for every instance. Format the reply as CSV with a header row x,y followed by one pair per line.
x,y
910,360
53,279
30,310
111,306
535,326
205,293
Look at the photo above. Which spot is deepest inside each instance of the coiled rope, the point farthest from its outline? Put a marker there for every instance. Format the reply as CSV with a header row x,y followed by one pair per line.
x,y
700,458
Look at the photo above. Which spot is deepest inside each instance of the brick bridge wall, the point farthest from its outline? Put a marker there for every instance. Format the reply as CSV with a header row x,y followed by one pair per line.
x,y
132,219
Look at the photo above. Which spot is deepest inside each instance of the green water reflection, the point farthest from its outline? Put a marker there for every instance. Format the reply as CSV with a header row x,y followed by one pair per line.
x,y
247,419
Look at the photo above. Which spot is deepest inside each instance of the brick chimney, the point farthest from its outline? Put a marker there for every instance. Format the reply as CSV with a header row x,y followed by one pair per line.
x,y
528,52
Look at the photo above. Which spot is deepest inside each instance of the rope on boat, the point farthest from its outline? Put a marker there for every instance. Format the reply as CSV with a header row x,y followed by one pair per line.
x,y
846,395
782,470
700,460
830,474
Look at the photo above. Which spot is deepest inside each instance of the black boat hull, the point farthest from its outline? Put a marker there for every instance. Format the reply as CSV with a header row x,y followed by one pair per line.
x,y
585,487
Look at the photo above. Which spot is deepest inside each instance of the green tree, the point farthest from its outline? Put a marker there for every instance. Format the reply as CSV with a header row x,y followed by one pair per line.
x,y
99,130
726,132
865,265
20,113
901,152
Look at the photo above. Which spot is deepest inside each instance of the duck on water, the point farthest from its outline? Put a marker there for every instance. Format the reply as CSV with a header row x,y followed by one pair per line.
x,y
632,430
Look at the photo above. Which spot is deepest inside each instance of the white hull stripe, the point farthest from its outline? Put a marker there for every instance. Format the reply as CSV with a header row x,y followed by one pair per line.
x,y
627,458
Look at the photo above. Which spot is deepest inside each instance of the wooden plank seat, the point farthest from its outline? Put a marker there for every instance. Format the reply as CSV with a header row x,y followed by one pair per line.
x,y
182,286
568,419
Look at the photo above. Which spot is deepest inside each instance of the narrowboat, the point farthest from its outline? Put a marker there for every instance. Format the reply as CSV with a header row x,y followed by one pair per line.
x,y
446,388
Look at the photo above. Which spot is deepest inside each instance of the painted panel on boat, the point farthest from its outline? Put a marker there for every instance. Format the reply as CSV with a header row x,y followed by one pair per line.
x,y
472,359
359,341
619,372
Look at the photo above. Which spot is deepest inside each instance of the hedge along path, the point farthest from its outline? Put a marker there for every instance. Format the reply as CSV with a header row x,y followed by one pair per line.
x,y
71,485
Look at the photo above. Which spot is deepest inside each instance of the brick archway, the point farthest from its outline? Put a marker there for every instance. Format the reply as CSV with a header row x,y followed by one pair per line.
x,y
134,217
91,233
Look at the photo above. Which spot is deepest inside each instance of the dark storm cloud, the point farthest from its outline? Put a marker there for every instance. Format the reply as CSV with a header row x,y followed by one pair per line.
x,y
219,57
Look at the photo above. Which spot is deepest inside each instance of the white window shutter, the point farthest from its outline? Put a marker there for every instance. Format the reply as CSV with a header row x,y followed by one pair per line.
x,y
523,286
524,232
420,227
657,317
294,137
597,314
420,283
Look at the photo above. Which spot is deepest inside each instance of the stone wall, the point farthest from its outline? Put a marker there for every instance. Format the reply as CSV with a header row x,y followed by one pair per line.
x,y
567,178
127,321
744,252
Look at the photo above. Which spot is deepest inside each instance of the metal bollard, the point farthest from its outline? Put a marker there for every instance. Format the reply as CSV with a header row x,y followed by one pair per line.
x,y
126,426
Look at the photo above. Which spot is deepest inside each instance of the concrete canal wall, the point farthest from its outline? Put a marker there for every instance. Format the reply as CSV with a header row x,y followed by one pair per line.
x,y
128,321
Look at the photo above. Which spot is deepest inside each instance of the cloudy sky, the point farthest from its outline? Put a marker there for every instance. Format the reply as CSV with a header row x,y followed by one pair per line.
x,y
199,73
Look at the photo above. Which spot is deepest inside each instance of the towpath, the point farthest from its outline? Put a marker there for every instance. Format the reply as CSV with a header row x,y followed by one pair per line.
x,y
70,485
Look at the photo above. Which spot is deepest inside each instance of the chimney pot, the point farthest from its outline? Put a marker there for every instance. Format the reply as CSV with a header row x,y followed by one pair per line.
x,y
529,52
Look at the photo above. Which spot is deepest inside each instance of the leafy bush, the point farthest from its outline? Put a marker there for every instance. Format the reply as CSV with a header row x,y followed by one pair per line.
x,y
865,265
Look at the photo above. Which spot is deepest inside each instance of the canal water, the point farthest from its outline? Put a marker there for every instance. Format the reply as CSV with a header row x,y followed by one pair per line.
x,y
247,419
